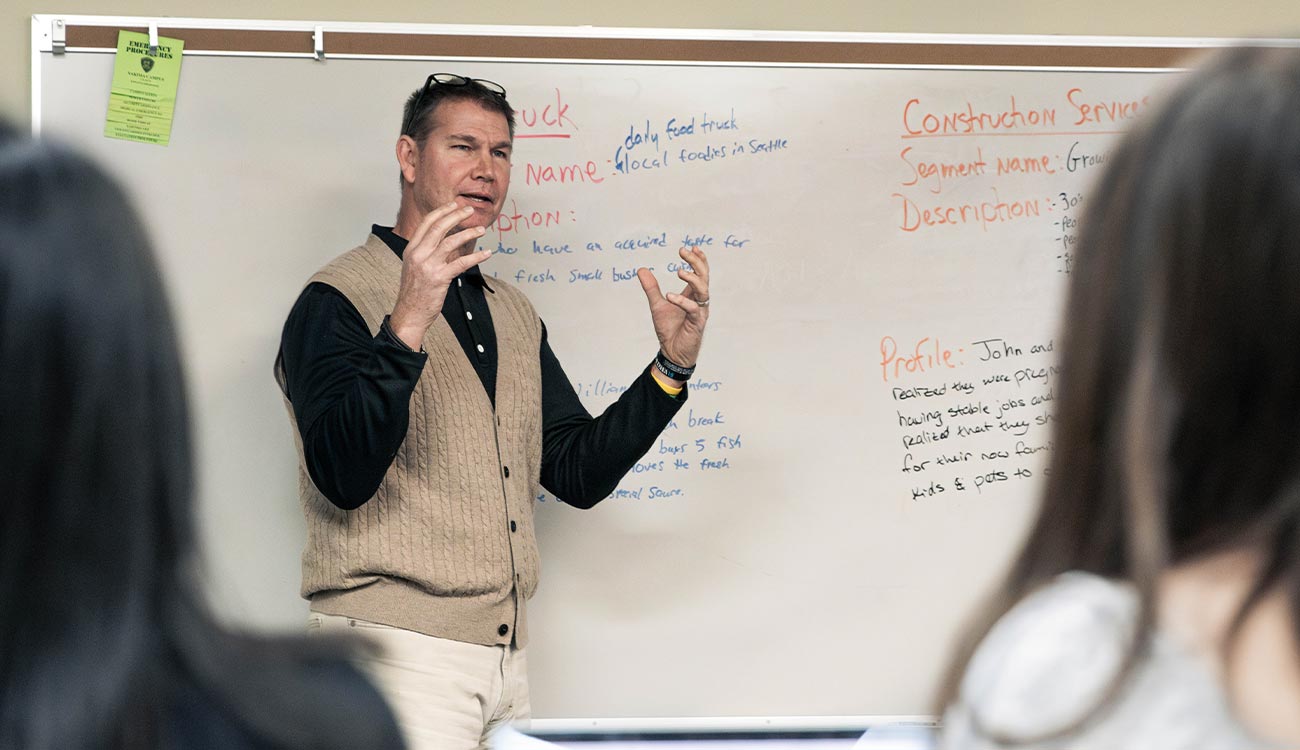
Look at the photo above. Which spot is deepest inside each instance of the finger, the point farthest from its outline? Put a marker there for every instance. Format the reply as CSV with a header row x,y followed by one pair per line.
x,y
438,235
699,262
453,243
465,262
697,278
696,287
427,220
650,285
436,226
694,311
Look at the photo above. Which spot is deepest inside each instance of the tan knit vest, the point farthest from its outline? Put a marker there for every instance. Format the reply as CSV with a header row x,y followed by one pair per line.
x,y
446,547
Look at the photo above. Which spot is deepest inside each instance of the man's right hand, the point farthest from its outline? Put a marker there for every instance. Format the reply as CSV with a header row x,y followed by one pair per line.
x,y
431,261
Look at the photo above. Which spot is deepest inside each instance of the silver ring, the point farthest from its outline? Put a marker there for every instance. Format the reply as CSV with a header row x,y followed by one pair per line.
x,y
704,303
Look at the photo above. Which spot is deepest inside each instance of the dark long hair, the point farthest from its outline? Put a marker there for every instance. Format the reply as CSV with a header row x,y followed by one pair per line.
x,y
100,624
1176,431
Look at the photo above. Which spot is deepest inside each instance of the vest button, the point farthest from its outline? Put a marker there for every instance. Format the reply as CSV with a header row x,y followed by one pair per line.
x,y
503,630
506,469
512,526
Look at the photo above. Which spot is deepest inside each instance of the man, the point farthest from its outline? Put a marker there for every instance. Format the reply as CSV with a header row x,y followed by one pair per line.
x,y
428,406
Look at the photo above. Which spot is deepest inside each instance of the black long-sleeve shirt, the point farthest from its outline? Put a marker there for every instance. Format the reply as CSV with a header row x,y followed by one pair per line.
x,y
351,392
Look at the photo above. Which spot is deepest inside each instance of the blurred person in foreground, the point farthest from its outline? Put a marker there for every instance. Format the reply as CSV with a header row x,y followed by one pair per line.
x,y
105,641
1154,603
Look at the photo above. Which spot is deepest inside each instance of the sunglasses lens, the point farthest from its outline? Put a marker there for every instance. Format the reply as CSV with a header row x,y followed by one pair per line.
x,y
451,79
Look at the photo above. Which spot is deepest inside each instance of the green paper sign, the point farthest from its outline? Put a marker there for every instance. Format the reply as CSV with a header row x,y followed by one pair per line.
x,y
143,98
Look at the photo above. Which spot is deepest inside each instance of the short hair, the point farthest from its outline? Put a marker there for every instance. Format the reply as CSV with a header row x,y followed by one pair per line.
x,y
424,121
1180,386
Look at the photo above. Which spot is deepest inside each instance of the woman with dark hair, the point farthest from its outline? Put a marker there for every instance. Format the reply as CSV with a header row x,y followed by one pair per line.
x,y
1154,604
104,640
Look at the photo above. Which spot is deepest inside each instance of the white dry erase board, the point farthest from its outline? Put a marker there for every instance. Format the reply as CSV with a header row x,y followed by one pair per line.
x,y
890,222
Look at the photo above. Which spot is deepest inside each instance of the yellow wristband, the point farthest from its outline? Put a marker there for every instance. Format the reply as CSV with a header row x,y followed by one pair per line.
x,y
671,390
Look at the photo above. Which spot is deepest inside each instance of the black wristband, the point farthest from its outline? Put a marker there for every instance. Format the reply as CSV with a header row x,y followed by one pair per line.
x,y
671,369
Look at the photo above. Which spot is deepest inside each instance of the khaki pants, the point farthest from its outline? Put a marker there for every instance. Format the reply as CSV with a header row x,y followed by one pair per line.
x,y
447,695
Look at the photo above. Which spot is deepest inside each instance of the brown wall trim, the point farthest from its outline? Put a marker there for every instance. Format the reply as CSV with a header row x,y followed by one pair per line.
x,y
205,40
692,50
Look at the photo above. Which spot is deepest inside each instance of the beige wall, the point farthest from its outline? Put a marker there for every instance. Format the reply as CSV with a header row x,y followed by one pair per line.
x,y
1104,17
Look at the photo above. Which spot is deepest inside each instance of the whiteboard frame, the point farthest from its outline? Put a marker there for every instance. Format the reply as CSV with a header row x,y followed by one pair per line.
x,y
725,724
42,43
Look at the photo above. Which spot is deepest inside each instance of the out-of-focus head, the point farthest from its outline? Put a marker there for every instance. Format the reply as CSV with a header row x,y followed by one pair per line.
x,y
1176,430
94,444
1182,333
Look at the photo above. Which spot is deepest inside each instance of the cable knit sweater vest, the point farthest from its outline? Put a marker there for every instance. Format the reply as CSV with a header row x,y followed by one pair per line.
x,y
446,546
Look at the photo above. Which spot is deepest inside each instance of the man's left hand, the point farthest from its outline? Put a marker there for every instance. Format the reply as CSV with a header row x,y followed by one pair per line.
x,y
679,318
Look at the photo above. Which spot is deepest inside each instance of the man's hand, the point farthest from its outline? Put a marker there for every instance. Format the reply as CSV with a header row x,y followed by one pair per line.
x,y
679,318
432,260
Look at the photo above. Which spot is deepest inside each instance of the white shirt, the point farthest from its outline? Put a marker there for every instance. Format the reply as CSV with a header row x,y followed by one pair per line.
x,y
1051,658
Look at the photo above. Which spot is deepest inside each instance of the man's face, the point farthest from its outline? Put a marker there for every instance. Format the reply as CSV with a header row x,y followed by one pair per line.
x,y
465,158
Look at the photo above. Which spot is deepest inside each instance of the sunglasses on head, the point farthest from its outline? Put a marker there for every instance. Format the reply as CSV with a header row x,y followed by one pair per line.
x,y
449,79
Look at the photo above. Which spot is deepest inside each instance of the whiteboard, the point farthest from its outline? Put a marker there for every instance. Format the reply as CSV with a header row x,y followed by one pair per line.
x,y
868,425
